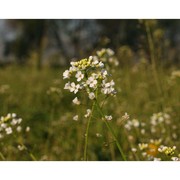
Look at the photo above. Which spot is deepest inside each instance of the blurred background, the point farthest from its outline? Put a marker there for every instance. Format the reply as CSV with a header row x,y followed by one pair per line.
x,y
56,42
144,65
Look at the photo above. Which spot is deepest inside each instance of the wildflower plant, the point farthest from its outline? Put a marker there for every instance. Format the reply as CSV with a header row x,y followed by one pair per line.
x,y
90,78
11,131
152,149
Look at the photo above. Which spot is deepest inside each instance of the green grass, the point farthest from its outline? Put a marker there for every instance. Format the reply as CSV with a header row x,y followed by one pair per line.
x,y
55,136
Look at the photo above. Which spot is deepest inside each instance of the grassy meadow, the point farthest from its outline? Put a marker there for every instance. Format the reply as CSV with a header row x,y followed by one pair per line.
x,y
39,98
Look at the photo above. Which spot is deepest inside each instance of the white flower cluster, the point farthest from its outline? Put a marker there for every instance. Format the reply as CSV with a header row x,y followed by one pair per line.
x,y
167,150
88,113
132,123
90,75
158,118
142,146
53,90
176,158
107,56
108,118
9,124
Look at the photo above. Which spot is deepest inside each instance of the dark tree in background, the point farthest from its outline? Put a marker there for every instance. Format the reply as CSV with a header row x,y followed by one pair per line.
x,y
31,36
79,38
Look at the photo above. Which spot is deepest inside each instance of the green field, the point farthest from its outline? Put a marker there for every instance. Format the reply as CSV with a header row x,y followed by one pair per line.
x,y
39,98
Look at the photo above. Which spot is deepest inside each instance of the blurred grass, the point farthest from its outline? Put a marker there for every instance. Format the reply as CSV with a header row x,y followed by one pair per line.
x,y
55,136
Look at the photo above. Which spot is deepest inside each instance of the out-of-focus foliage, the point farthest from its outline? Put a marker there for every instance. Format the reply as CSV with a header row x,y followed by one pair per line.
x,y
57,41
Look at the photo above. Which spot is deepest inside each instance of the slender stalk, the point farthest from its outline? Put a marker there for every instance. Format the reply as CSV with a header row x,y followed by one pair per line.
x,y
152,54
87,132
29,152
112,132
32,157
2,156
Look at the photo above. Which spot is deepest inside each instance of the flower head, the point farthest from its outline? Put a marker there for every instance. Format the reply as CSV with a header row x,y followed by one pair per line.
x,y
79,75
108,118
76,101
75,118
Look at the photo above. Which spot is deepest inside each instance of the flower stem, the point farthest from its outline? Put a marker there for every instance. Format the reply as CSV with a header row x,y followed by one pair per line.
x,y
112,132
87,132
2,156
152,56
29,152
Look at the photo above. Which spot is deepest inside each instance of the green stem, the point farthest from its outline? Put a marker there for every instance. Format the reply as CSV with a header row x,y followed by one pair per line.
x,y
112,132
2,156
87,132
152,55
28,152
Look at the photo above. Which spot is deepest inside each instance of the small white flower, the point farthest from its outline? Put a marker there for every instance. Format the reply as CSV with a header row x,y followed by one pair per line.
x,y
175,159
20,147
74,88
133,149
90,58
2,118
88,113
142,146
72,69
14,122
13,115
108,118
19,128
161,119
79,76
127,126
98,135
162,148
67,85
95,61
101,64
110,52
66,74
72,63
91,82
144,154
8,116
104,73
107,88
112,83
135,123
75,118
143,131
76,101
19,120
27,129
125,116
91,95
8,130
3,125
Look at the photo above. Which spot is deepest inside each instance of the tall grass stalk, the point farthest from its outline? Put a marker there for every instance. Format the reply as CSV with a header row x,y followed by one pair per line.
x,y
152,55
111,131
